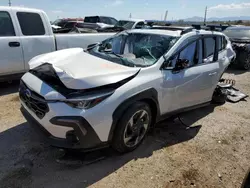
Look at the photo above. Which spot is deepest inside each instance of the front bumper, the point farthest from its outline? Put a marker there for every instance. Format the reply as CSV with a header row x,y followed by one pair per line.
x,y
80,136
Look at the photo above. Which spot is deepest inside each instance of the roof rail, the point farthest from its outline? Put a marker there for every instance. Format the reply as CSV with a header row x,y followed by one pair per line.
x,y
215,27
183,30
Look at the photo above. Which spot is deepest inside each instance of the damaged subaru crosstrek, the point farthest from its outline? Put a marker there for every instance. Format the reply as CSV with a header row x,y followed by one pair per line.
x,y
112,93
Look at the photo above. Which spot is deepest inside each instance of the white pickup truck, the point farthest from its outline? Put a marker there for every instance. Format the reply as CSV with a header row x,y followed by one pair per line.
x,y
26,33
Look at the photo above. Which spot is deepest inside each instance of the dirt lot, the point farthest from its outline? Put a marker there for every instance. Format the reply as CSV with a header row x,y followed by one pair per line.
x,y
213,152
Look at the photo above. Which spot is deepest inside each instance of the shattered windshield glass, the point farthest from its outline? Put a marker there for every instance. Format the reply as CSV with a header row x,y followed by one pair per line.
x,y
135,49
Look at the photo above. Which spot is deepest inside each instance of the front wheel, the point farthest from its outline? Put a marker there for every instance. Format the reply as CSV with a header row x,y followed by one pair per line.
x,y
132,127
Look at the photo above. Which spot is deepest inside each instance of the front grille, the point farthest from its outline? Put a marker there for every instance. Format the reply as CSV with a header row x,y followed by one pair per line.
x,y
33,101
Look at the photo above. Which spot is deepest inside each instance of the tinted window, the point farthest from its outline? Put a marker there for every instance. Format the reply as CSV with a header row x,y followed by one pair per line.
x,y
6,26
70,25
139,25
93,19
113,21
30,23
209,46
105,20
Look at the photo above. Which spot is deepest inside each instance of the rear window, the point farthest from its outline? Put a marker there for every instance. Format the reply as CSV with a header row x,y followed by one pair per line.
x,y
6,26
30,23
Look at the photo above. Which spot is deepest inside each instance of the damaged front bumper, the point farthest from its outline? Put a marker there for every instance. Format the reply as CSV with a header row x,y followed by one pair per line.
x,y
80,135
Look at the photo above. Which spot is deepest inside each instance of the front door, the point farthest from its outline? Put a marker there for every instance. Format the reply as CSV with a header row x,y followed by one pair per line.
x,y
195,84
11,55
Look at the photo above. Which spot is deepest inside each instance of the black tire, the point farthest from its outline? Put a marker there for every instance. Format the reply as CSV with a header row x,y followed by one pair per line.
x,y
244,60
118,142
219,96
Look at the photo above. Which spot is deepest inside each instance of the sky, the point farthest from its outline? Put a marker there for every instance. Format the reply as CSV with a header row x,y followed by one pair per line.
x,y
144,9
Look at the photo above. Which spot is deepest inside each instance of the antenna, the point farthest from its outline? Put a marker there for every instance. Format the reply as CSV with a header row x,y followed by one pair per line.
x,y
205,17
10,3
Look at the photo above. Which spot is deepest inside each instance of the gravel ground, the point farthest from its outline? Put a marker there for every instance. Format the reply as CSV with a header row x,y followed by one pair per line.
x,y
213,152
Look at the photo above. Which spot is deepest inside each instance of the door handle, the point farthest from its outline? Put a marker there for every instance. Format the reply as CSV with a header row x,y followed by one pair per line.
x,y
14,44
213,73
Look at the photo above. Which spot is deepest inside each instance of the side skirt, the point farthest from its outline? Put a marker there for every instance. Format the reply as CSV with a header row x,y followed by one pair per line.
x,y
180,111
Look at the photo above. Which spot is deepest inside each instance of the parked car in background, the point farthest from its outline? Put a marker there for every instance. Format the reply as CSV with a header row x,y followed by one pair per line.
x,y
122,25
240,38
26,33
62,22
114,91
102,21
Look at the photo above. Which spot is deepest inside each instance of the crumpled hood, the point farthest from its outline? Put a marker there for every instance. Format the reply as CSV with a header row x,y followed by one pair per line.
x,y
79,70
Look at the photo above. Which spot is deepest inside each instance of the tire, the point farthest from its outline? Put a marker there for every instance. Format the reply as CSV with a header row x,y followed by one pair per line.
x,y
219,96
244,60
123,127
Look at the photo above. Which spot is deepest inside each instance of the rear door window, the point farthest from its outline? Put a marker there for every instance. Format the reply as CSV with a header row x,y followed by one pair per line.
x,y
6,25
105,20
30,23
113,21
93,19
209,46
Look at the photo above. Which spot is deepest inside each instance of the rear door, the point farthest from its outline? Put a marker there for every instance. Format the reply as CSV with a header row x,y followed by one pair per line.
x,y
11,56
35,34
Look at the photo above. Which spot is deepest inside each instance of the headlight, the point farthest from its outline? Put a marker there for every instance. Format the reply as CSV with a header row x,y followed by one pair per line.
x,y
87,102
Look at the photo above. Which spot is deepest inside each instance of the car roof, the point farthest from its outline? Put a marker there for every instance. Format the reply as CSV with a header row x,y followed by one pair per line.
x,y
23,9
155,31
133,20
173,33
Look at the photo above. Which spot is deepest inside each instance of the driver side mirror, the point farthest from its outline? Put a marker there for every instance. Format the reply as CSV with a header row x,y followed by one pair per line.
x,y
181,64
108,47
89,47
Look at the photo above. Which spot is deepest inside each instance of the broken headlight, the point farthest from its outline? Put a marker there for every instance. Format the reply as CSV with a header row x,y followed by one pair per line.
x,y
87,102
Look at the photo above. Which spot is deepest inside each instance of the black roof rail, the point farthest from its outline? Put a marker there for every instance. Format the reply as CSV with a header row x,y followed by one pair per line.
x,y
183,30
210,27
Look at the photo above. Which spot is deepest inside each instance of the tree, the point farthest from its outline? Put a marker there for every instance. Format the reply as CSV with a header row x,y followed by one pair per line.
x,y
239,22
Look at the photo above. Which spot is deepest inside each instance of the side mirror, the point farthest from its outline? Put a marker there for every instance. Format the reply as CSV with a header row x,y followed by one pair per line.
x,y
108,47
89,47
181,64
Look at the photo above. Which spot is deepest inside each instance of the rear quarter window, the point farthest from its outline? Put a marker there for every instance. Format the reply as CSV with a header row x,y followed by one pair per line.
x,y
30,23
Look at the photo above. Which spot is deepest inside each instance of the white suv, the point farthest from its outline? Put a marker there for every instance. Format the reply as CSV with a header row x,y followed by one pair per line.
x,y
113,92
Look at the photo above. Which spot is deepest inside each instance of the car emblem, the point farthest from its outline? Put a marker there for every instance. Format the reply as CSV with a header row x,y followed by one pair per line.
x,y
28,93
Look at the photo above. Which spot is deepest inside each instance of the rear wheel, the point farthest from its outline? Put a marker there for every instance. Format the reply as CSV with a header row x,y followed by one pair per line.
x,y
132,127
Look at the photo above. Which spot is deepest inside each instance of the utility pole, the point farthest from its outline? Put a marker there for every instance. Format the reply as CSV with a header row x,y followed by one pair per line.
x,y
166,15
205,17
10,3
130,15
